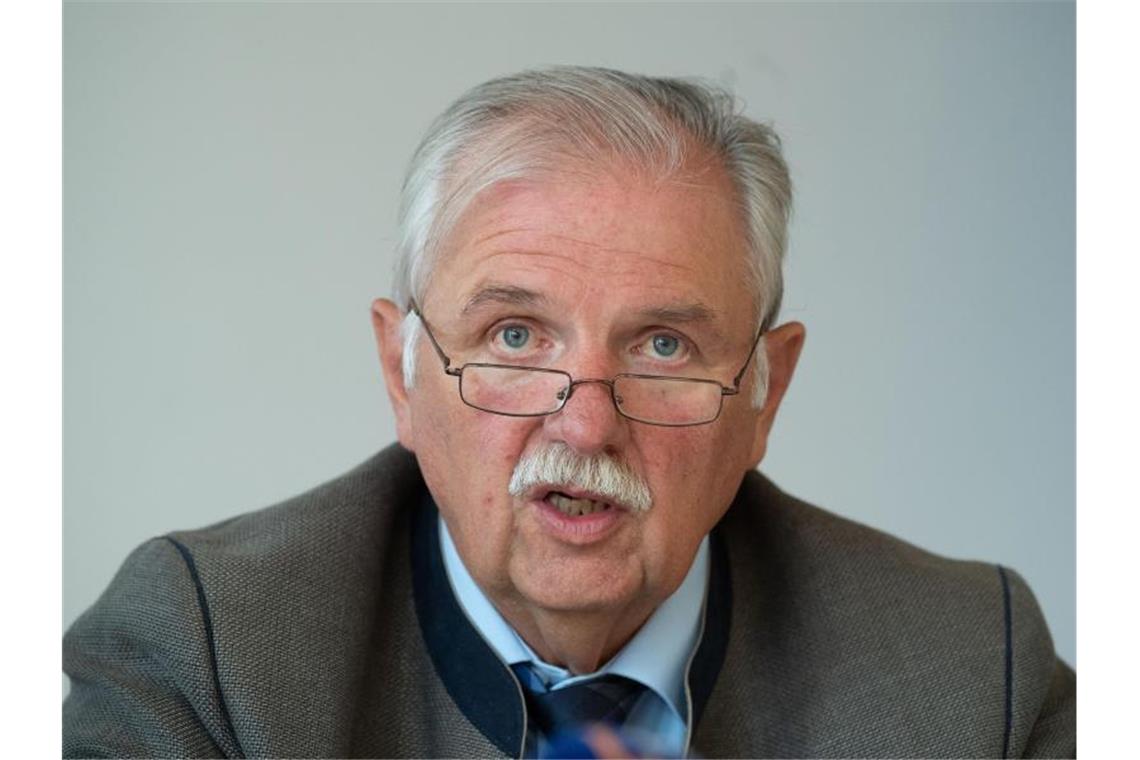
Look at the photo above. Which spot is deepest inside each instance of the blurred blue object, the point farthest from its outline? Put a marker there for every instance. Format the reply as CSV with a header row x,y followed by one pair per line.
x,y
603,740
570,744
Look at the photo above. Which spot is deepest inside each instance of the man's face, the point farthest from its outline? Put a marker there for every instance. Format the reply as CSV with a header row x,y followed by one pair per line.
x,y
623,275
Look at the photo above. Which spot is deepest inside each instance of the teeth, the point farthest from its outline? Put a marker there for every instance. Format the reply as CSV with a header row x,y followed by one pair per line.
x,y
575,507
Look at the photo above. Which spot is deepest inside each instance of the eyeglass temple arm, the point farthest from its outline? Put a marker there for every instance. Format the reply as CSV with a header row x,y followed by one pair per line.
x,y
427,329
740,375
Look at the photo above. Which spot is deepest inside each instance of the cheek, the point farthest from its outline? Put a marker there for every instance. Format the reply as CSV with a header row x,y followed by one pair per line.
x,y
694,475
468,442
687,462
467,458
679,475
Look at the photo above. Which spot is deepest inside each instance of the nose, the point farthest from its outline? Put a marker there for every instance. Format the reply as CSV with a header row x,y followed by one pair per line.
x,y
588,422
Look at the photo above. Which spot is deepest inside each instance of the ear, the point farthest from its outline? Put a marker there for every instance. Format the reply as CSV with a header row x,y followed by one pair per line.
x,y
386,320
783,346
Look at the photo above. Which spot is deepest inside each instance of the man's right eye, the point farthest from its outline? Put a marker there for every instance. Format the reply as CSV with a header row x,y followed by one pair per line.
x,y
514,336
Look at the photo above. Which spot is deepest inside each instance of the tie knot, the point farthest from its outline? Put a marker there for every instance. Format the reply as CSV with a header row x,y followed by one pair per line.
x,y
607,699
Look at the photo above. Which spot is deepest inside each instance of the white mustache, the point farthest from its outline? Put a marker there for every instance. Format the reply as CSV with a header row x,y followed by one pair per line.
x,y
558,465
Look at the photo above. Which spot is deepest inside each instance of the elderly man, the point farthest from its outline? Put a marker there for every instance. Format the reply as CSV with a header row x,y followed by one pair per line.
x,y
584,364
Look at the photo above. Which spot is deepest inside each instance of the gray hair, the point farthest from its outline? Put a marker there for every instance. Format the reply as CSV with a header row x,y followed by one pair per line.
x,y
557,464
532,123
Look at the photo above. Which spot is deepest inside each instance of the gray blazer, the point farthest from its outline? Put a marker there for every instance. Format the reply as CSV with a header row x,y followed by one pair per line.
x,y
321,627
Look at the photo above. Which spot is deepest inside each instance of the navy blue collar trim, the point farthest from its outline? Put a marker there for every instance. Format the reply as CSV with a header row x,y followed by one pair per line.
x,y
482,687
718,621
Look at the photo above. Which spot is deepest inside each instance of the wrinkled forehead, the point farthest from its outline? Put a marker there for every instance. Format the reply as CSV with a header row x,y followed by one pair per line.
x,y
488,171
589,236
494,180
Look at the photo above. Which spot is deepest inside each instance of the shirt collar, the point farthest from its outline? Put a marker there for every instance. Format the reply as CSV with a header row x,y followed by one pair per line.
x,y
656,656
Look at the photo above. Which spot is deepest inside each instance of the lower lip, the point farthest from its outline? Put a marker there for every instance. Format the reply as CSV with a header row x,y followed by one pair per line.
x,y
582,529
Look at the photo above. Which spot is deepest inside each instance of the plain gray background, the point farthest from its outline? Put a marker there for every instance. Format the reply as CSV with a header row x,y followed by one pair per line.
x,y
230,183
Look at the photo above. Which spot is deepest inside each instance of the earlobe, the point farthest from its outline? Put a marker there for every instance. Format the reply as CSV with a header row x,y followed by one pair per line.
x,y
783,346
386,321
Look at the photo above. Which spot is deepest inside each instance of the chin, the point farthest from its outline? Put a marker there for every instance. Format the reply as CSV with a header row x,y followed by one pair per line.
x,y
577,591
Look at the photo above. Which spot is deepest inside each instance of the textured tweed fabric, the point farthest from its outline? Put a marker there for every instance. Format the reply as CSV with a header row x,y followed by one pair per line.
x,y
292,632
855,644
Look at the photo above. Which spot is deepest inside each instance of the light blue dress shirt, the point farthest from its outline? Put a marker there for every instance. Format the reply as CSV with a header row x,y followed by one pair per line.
x,y
657,656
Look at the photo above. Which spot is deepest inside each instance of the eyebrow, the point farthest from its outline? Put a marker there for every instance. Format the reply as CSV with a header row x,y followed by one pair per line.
x,y
683,313
695,313
511,295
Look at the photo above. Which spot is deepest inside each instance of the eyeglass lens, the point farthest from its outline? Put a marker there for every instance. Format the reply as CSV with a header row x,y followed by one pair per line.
x,y
531,391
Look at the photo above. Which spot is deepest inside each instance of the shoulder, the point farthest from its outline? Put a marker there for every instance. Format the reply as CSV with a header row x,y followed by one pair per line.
x,y
334,515
840,561
837,566
872,632
304,576
213,629
333,524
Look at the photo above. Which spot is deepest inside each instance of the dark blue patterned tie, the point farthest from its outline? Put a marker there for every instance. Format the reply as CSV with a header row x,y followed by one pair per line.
x,y
606,699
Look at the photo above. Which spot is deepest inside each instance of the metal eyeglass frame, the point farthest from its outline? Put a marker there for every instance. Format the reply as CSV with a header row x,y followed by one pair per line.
x,y
571,383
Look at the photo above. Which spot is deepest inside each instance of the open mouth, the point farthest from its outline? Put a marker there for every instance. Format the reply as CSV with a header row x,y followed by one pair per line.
x,y
575,507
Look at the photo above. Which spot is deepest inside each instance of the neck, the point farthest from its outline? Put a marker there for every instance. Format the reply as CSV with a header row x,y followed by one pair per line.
x,y
581,642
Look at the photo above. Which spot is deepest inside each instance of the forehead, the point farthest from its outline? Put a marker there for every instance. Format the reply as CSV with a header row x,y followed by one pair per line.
x,y
609,239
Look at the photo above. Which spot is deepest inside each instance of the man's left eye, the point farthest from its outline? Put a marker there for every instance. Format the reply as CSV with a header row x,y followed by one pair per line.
x,y
665,345
515,336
